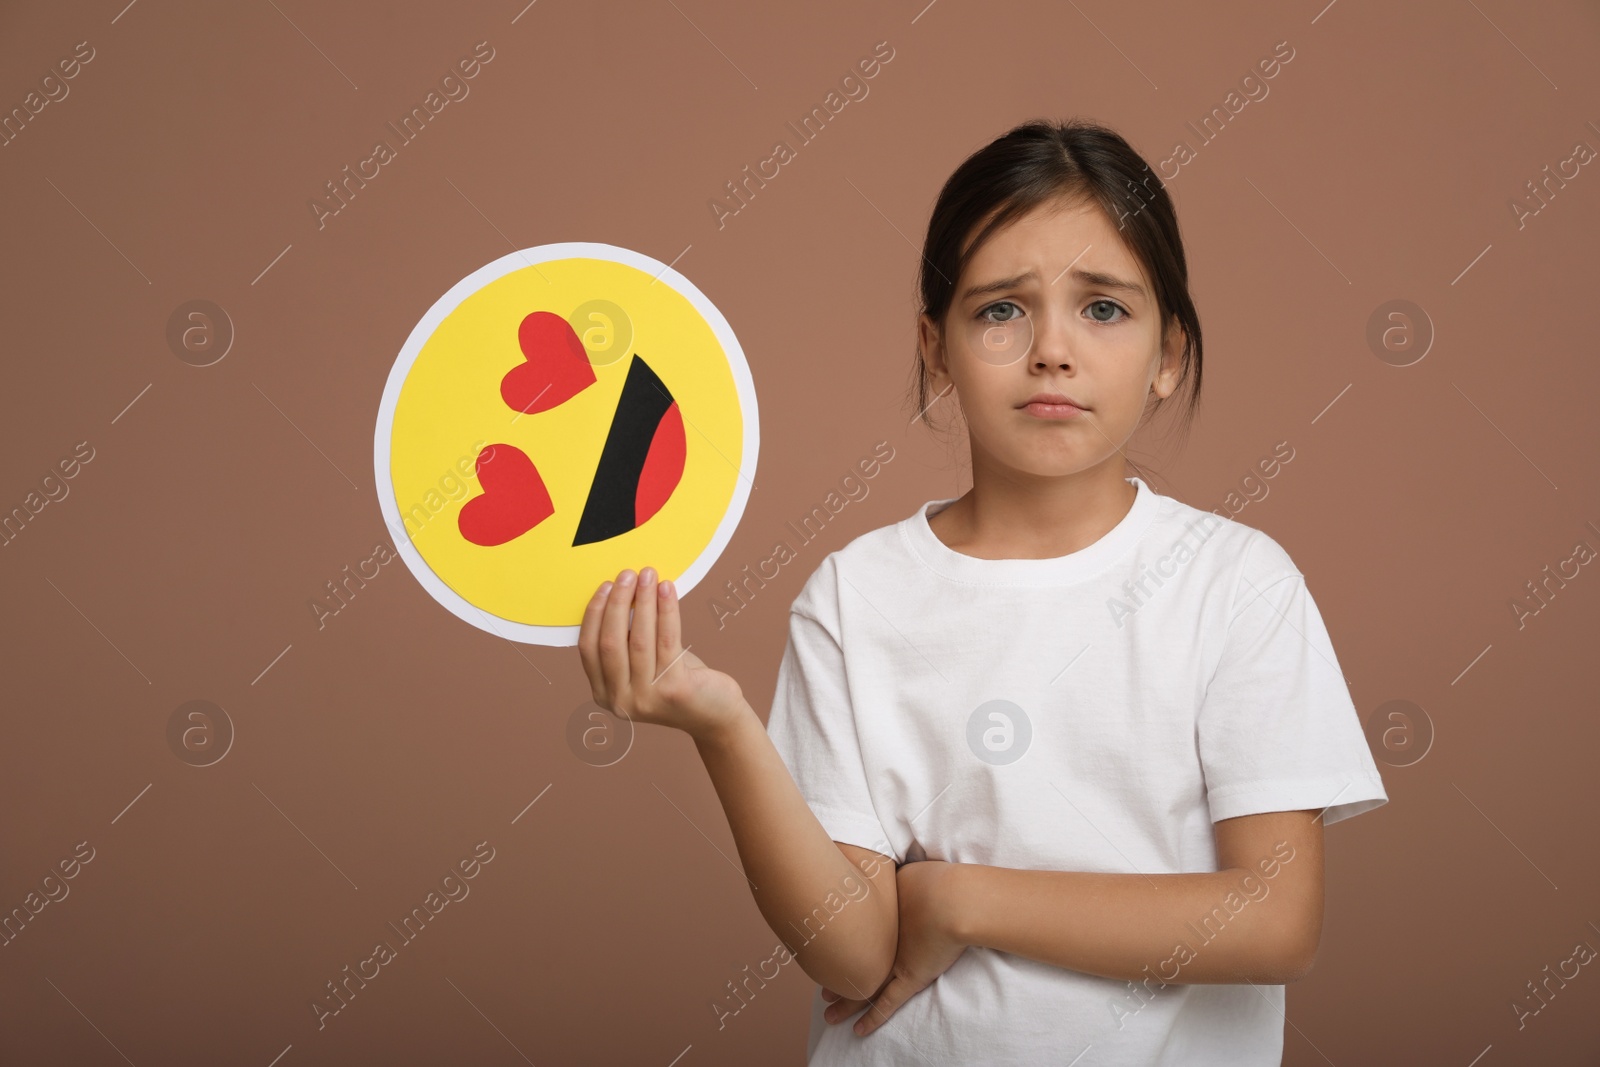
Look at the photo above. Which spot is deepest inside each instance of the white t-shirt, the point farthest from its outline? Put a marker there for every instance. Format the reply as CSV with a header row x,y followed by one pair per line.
x,y
1096,711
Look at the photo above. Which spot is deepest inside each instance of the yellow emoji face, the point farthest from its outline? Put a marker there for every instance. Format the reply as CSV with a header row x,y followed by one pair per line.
x,y
561,414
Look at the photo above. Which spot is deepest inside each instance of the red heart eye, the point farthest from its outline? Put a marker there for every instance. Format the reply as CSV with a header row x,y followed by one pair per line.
x,y
514,498
555,366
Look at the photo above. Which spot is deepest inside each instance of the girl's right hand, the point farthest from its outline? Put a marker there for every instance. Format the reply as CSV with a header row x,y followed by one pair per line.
x,y
641,672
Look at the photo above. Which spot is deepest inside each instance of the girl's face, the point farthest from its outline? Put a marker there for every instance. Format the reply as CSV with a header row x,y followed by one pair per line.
x,y
1052,303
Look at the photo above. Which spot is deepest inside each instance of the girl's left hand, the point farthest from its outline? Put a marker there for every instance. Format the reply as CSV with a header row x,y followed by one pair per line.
x,y
926,947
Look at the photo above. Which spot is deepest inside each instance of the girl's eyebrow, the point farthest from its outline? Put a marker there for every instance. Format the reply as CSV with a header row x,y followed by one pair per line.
x,y
996,286
1088,277
1108,281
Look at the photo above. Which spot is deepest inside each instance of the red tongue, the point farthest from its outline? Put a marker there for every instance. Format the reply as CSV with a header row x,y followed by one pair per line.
x,y
514,498
555,365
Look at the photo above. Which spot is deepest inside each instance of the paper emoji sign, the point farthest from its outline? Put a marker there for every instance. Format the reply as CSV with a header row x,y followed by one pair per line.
x,y
561,414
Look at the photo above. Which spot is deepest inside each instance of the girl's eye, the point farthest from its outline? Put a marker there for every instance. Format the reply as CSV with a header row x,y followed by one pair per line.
x,y
1106,304
984,314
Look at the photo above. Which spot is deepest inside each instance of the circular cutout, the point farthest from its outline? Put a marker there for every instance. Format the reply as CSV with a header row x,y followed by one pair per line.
x,y
600,415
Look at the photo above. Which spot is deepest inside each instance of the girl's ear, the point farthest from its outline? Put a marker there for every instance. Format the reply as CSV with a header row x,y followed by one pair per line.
x,y
930,343
1166,379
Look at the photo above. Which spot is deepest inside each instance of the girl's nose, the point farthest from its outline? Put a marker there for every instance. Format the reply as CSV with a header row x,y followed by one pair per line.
x,y
1052,342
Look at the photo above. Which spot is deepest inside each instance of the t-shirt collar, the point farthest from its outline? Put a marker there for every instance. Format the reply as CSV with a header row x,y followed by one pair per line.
x,y
1057,570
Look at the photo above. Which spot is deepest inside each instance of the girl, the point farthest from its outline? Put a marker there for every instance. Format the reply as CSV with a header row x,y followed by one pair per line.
x,y
1080,738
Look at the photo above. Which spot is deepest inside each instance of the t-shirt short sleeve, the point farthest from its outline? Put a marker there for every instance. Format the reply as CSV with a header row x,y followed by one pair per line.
x,y
1277,729
812,725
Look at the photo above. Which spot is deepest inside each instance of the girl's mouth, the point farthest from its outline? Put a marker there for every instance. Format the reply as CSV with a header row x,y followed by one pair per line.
x,y
1052,411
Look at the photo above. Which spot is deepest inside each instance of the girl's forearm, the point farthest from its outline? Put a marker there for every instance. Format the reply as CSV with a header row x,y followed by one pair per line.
x,y
1158,928
842,931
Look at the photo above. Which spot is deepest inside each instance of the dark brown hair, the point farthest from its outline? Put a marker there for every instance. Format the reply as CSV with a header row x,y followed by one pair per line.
x,y
1040,161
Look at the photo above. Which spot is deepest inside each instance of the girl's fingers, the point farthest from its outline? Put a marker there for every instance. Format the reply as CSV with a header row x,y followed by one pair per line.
x,y
841,1009
669,628
589,644
882,1008
896,993
642,636
614,634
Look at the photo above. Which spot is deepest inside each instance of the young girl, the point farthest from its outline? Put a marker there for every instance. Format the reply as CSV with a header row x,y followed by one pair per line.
x,y
1080,737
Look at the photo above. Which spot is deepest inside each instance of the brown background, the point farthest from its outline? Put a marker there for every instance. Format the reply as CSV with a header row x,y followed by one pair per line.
x,y
376,752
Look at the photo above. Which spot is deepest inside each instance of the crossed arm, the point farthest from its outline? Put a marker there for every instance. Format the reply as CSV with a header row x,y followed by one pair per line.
x,y
1258,918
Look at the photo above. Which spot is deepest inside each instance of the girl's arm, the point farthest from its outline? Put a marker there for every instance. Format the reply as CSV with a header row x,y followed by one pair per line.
x,y
842,926
1258,919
